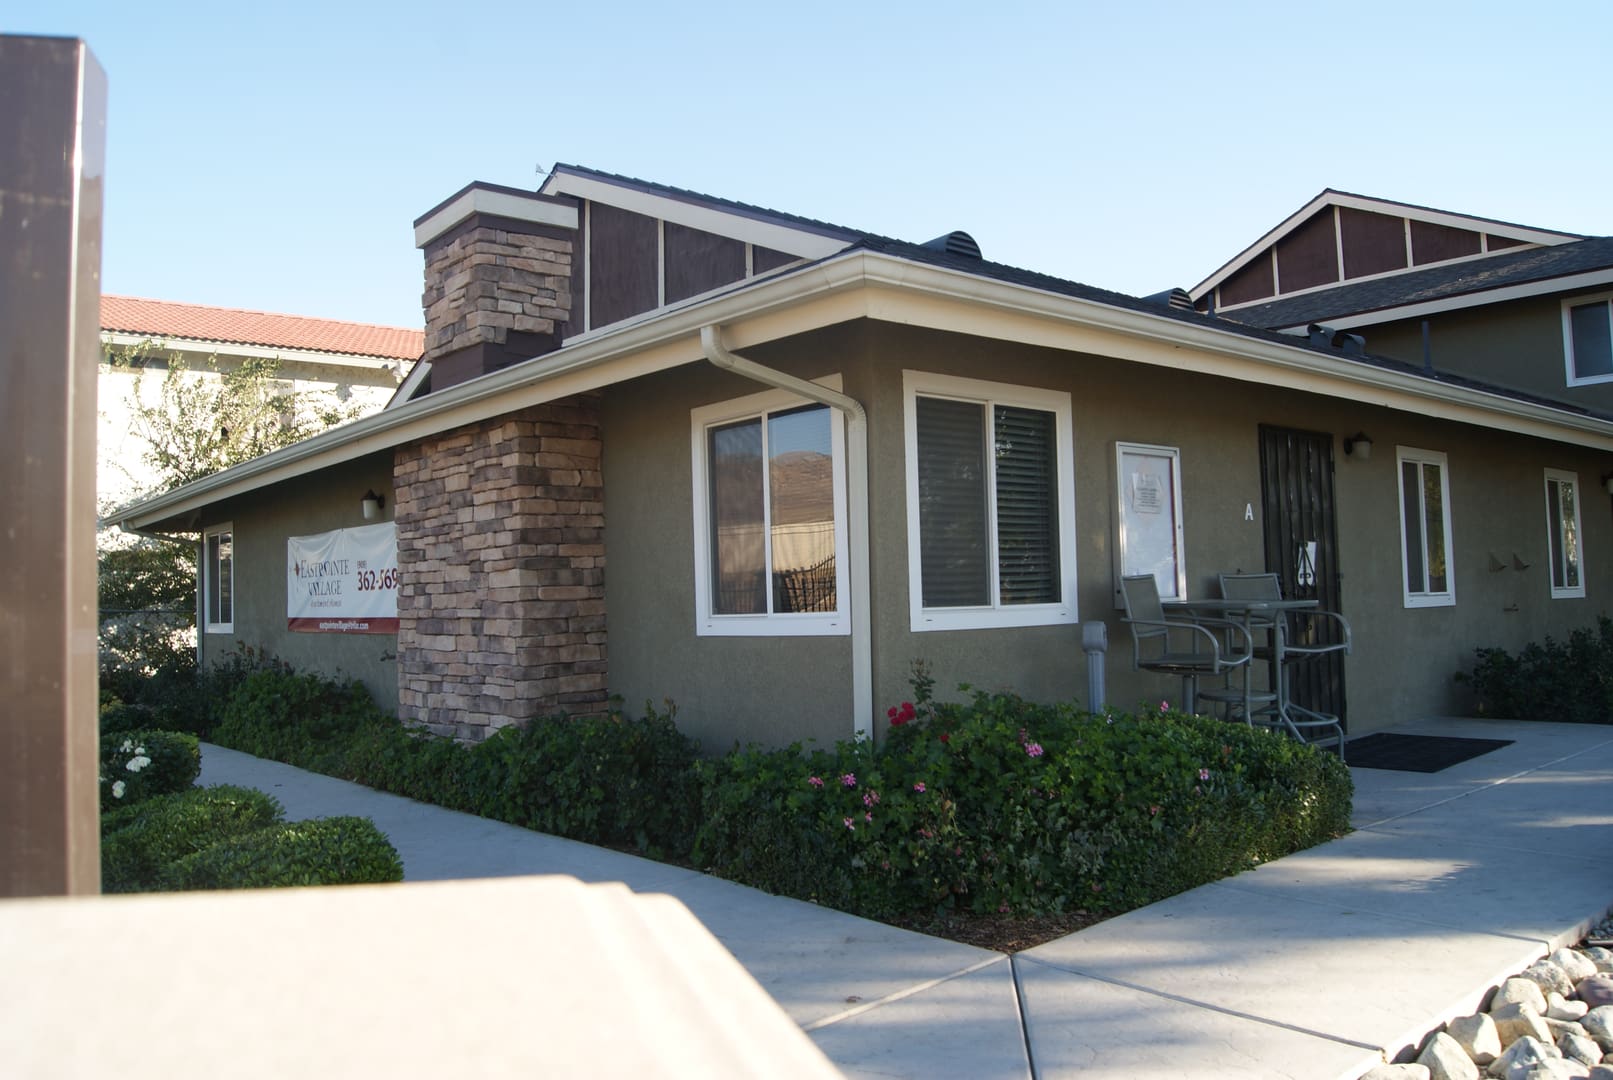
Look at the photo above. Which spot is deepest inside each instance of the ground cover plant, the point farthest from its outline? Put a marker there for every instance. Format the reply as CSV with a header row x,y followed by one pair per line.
x,y
989,809
1566,681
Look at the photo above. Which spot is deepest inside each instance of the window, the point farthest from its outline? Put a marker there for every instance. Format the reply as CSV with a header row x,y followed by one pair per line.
x,y
218,579
1588,338
1563,535
769,517
1148,521
1425,528
990,506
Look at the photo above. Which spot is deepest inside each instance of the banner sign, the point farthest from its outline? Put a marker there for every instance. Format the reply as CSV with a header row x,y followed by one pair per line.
x,y
343,582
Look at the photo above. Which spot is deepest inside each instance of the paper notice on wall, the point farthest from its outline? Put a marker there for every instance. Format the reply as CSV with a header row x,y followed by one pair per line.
x,y
343,582
1147,492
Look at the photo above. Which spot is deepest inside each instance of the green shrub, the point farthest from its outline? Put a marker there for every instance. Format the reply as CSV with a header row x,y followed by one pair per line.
x,y
1570,682
323,851
138,764
1002,805
121,718
305,720
139,842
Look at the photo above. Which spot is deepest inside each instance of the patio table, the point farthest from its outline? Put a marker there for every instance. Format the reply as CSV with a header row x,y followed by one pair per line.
x,y
1246,610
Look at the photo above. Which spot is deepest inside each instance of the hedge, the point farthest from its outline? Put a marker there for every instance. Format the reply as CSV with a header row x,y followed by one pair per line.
x,y
322,851
138,842
1566,681
138,764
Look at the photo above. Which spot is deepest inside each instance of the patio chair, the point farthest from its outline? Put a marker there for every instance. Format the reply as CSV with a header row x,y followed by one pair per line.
x,y
1187,648
1288,646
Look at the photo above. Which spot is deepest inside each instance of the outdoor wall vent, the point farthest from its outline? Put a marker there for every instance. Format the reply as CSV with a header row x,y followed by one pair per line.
x,y
1172,298
957,242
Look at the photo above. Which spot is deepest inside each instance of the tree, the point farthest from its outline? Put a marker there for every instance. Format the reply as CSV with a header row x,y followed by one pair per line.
x,y
197,424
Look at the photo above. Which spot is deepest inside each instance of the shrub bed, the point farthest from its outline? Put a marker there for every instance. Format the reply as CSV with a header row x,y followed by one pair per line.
x,y
996,805
1005,806
139,842
606,780
1567,681
322,851
138,764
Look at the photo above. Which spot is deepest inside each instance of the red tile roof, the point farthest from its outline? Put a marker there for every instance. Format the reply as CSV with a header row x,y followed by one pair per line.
x,y
165,319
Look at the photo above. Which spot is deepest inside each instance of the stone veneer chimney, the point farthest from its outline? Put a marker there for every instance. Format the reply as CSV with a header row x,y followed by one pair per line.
x,y
501,602
499,275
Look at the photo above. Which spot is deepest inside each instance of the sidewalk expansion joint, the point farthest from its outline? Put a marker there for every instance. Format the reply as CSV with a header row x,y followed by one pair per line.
x,y
1222,1009
916,988
1019,1011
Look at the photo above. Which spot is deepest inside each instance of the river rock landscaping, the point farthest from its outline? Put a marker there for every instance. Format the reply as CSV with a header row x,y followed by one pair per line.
x,y
1552,1021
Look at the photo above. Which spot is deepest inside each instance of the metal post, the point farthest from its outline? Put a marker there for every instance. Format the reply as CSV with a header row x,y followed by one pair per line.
x,y
1095,643
52,165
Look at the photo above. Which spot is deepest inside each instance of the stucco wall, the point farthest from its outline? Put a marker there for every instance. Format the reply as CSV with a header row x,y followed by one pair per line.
x,y
778,689
262,521
1517,344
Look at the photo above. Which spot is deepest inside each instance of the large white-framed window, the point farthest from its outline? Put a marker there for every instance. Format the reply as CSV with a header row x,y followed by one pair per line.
x,y
218,579
1425,528
990,504
1588,339
1563,534
770,517
1148,517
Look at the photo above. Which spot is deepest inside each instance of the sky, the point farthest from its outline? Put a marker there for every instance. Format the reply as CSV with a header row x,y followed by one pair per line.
x,y
275,156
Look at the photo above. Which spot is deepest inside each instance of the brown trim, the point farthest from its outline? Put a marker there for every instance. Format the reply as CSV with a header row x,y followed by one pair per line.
x,y
487,356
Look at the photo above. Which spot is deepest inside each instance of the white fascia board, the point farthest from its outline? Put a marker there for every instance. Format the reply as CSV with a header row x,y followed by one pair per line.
x,y
1589,280
1524,234
499,203
866,284
205,347
779,237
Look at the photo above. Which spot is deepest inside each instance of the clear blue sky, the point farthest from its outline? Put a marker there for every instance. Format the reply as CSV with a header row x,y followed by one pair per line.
x,y
274,156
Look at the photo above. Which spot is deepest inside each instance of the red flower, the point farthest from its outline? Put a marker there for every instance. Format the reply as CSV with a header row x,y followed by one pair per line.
x,y
902,715
946,736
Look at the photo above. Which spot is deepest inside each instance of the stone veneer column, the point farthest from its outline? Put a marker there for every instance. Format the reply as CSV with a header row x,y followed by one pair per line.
x,y
501,553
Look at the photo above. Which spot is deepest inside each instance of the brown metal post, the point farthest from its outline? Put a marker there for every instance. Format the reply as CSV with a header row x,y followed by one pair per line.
x,y
52,168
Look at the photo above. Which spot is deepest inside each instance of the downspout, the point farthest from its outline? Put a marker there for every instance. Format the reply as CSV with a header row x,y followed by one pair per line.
x,y
862,641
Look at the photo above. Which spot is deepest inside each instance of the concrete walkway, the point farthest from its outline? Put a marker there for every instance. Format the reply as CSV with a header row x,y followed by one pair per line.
x,y
1319,965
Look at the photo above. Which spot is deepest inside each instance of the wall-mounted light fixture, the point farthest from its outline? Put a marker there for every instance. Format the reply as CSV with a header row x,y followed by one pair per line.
x,y
372,505
1358,446
1607,482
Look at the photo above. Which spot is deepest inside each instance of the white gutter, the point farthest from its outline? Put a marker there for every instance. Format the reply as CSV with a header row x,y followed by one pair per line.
x,y
862,641
870,285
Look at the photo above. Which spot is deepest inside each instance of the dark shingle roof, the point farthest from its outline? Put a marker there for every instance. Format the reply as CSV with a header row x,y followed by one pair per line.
x,y
760,213
1433,283
1031,279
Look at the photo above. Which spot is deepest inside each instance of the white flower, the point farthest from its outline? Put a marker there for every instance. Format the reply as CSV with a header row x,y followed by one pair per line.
x,y
118,789
126,747
137,763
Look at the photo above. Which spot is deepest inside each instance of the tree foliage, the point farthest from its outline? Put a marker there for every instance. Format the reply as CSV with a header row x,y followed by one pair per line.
x,y
196,424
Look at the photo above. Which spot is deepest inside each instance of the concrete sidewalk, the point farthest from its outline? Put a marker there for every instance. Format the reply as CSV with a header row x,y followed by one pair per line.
x,y
1317,965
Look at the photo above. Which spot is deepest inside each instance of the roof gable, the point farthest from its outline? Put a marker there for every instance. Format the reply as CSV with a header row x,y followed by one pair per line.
x,y
166,319
1341,238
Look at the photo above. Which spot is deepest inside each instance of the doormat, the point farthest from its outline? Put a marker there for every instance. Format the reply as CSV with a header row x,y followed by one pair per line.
x,y
1415,753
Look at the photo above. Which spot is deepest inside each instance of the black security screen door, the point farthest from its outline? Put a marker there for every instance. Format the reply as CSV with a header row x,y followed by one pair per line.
x,y
1296,490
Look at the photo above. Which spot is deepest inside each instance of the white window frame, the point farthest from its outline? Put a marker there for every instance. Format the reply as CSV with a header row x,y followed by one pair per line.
x,y
1566,592
1176,587
210,580
773,624
1413,599
996,614
1606,300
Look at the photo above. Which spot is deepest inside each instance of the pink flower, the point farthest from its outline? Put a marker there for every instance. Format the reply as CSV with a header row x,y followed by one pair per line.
x,y
919,787
1152,810
815,781
1033,749
927,834
868,817
849,779
871,798
1002,909
1204,774
1164,706
850,826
